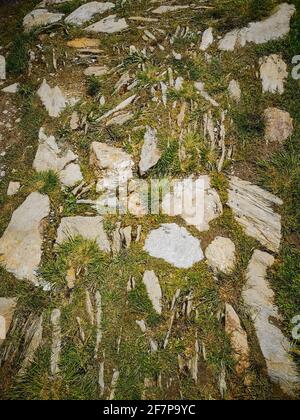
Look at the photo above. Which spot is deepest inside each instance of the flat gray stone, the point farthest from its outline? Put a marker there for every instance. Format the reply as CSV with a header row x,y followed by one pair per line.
x,y
195,201
11,88
175,245
168,9
234,90
97,71
207,39
253,209
260,300
275,27
90,228
21,243
150,151
50,157
52,99
85,12
221,255
40,17
113,166
154,292
13,188
109,25
2,68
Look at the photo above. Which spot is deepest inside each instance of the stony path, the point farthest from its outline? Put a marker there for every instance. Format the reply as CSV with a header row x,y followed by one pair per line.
x,y
180,302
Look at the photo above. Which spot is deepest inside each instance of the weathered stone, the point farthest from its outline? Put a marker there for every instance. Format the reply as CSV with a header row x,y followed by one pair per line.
x,y
50,157
2,68
108,25
40,17
97,71
114,166
175,245
71,175
124,104
221,255
74,121
260,300
279,125
11,88
234,90
253,209
273,73
207,39
150,151
56,342
90,228
84,43
154,292
7,309
13,188
85,12
168,9
52,98
120,119
195,201
21,243
238,339
275,27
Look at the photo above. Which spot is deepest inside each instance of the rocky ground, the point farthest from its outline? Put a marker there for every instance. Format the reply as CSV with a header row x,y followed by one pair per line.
x,y
136,305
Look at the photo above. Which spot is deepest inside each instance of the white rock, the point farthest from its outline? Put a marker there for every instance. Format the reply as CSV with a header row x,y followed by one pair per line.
x,y
50,157
13,188
150,151
97,71
221,255
175,245
40,17
154,292
253,210
120,119
2,68
273,73
56,342
168,9
279,125
260,300
113,166
7,309
238,339
234,90
124,104
90,228
108,25
71,175
75,121
85,12
207,39
11,88
52,98
275,27
195,201
21,243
